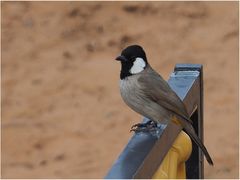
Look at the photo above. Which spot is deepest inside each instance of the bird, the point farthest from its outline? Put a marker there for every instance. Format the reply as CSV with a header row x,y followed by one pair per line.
x,y
147,93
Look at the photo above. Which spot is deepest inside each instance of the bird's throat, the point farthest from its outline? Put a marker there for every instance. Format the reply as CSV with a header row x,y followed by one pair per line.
x,y
125,70
123,75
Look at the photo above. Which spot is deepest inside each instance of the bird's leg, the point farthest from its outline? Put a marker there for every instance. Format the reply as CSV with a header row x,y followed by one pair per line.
x,y
147,126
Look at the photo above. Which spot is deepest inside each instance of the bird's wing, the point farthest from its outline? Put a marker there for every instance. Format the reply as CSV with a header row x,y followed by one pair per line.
x,y
158,90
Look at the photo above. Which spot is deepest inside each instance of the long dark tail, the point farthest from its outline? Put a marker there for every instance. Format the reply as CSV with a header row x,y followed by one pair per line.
x,y
190,131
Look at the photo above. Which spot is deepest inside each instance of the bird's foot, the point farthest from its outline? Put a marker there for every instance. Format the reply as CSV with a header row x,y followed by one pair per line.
x,y
148,126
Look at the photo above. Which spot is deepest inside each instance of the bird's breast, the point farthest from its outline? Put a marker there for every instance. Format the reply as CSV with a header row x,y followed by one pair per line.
x,y
127,87
134,96
132,93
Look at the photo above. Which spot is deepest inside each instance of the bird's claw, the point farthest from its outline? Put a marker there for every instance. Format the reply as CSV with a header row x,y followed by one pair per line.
x,y
148,126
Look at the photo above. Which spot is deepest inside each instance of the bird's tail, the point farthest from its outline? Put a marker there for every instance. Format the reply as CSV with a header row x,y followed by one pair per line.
x,y
190,131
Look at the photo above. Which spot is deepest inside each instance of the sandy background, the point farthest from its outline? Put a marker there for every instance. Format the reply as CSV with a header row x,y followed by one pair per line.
x,y
62,114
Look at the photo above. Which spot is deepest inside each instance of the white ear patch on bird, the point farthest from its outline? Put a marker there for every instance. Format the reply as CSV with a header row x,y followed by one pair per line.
x,y
138,66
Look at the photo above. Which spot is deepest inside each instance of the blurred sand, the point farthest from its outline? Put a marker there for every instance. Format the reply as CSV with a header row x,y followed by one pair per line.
x,y
62,114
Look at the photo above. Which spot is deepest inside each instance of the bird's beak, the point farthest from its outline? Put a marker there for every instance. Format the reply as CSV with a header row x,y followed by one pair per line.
x,y
121,58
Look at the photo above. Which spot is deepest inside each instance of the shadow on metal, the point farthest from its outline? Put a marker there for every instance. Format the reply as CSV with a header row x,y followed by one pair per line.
x,y
146,150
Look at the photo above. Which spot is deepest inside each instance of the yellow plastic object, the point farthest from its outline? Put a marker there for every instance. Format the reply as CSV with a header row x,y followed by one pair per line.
x,y
173,165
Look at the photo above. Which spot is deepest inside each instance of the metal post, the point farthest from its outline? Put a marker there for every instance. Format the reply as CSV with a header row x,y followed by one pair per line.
x,y
195,164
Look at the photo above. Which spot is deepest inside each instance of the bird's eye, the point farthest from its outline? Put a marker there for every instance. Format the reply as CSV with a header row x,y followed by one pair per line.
x,y
133,57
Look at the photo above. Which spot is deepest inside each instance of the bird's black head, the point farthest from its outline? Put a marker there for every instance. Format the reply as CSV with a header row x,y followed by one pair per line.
x,y
133,60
